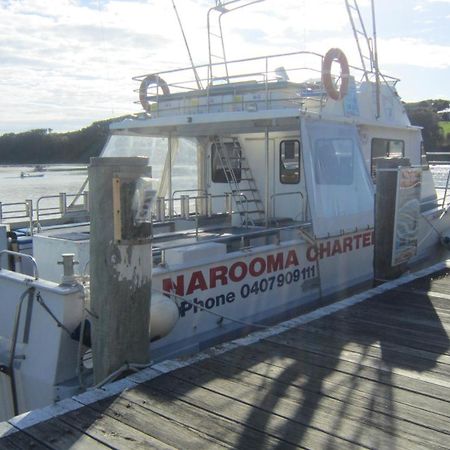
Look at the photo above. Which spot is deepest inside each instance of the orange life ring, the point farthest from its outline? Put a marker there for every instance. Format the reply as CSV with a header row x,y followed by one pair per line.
x,y
335,54
143,88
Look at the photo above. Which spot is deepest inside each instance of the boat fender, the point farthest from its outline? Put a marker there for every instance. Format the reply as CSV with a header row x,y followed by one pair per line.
x,y
445,239
145,83
335,54
164,315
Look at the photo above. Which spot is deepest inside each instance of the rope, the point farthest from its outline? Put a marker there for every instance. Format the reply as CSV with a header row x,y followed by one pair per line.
x,y
41,301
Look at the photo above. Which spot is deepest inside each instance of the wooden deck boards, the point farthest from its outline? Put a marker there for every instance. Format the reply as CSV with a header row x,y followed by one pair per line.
x,y
374,375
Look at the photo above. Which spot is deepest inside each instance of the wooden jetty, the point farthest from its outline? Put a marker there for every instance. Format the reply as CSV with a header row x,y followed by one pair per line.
x,y
372,371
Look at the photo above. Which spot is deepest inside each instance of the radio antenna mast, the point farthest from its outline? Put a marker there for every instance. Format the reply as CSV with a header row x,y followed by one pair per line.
x,y
215,35
197,78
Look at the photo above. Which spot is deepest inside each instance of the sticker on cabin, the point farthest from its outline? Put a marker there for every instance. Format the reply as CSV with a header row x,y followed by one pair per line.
x,y
407,213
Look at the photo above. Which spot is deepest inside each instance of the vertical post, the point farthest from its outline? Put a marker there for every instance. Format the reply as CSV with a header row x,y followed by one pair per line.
x,y
385,202
267,202
62,203
375,61
120,264
29,212
170,177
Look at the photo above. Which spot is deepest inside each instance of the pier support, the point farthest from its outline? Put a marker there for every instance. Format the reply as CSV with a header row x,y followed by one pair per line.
x,y
385,205
120,264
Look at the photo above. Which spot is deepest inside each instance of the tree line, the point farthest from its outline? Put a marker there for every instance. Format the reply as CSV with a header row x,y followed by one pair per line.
x,y
42,146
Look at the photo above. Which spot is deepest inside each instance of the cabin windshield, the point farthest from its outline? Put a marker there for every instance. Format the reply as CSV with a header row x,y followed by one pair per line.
x,y
184,157
339,186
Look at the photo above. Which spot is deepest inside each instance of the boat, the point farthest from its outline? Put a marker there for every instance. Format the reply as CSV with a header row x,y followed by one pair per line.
x,y
308,187
30,175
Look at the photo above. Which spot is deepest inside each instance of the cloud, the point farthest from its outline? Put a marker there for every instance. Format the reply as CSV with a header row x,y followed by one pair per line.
x,y
71,61
414,52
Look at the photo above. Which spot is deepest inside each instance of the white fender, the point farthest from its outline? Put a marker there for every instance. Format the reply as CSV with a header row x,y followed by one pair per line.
x,y
164,315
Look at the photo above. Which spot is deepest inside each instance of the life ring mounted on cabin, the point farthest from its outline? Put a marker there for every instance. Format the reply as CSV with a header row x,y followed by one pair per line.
x,y
335,54
143,89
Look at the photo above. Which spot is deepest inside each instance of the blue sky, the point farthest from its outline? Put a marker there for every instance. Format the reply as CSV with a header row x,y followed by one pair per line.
x,y
66,63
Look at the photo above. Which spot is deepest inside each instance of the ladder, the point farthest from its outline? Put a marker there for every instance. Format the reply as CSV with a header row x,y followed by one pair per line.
x,y
360,33
239,177
363,41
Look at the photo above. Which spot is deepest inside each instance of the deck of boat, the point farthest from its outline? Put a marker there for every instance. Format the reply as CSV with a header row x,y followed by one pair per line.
x,y
374,374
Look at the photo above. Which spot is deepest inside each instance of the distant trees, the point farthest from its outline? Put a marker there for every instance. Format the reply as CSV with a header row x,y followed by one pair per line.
x,y
429,120
41,146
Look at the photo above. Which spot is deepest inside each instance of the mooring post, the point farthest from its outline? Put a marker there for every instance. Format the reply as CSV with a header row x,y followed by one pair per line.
x,y
385,204
120,262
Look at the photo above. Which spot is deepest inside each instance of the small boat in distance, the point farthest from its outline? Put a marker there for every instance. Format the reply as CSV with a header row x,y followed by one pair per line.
x,y
30,175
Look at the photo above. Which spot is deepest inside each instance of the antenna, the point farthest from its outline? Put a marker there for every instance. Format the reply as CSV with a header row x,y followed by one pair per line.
x,y
197,78
222,7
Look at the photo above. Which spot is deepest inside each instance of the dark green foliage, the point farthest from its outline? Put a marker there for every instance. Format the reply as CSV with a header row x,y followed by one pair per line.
x,y
429,120
41,146
424,114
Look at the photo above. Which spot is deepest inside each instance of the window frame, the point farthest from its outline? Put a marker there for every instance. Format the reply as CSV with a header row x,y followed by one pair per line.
x,y
282,168
387,155
218,174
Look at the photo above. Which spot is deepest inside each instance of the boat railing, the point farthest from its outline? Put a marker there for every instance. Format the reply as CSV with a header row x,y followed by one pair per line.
x,y
244,240
21,255
190,207
47,207
288,80
273,198
13,212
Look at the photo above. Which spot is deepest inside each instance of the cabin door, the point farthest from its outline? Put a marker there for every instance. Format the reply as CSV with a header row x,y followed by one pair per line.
x,y
341,202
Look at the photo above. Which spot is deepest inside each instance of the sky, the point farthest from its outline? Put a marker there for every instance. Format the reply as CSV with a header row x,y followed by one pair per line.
x,y
67,63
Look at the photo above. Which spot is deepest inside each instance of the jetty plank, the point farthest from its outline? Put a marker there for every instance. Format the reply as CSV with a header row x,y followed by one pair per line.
x,y
55,434
226,430
109,431
21,441
156,425
374,375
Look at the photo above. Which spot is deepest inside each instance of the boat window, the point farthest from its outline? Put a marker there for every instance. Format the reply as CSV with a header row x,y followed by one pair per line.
x,y
290,162
385,148
334,161
226,166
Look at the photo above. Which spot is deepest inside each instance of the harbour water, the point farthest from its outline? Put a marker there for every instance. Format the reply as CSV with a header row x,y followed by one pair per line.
x,y
65,178
70,178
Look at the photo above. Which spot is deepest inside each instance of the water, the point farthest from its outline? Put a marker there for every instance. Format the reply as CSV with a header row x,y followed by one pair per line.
x,y
56,179
63,178
68,179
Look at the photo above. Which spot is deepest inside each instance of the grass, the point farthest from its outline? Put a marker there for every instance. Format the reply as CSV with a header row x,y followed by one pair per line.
x,y
445,126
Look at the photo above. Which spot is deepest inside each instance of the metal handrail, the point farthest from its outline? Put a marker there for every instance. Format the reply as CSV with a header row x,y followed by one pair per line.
x,y
12,351
26,212
61,208
248,234
281,194
22,255
446,189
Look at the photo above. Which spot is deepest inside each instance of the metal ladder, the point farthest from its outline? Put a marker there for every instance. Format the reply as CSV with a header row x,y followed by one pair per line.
x,y
370,44
243,189
360,33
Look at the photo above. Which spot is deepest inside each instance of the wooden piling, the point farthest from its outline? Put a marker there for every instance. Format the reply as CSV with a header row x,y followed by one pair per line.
x,y
120,266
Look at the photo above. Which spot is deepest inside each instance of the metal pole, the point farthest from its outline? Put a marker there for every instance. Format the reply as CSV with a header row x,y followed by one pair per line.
x,y
197,78
375,60
170,177
267,199
120,265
